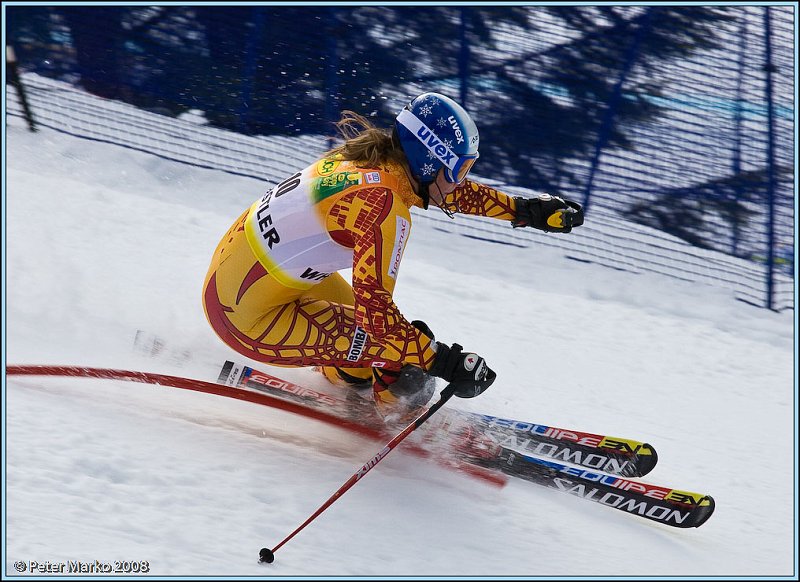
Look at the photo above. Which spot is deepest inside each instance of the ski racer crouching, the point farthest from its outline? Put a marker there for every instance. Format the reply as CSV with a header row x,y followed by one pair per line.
x,y
273,294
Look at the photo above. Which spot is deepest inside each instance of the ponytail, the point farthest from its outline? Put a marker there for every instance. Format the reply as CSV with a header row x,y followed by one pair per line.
x,y
365,143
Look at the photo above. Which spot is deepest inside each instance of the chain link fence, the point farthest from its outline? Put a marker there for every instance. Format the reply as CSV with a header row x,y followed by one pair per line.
x,y
680,118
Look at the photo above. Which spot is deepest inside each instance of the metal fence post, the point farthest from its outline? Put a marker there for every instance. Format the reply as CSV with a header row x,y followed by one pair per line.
x,y
611,110
463,59
769,68
16,82
737,137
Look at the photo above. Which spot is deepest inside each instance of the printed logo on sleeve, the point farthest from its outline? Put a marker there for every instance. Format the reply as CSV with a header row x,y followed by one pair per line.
x,y
403,229
357,345
373,177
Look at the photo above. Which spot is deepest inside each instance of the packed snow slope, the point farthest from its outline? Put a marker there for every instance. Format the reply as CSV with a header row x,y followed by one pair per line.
x,y
103,241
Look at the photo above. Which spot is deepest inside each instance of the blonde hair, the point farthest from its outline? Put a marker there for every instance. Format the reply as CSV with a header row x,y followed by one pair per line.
x,y
365,143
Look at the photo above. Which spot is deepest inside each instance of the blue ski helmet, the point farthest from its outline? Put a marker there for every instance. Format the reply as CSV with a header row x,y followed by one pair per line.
x,y
435,132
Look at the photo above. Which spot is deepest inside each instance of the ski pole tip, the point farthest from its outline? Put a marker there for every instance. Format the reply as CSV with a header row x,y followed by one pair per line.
x,y
266,555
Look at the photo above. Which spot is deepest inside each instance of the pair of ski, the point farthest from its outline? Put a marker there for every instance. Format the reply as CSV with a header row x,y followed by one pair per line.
x,y
595,467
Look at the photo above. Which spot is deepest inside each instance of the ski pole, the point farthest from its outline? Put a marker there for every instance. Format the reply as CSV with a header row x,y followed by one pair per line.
x,y
268,556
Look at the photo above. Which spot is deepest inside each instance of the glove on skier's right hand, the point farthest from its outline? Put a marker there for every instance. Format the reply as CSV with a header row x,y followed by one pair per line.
x,y
548,213
467,373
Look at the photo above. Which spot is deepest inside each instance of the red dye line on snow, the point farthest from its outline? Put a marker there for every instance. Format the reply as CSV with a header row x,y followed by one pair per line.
x,y
238,394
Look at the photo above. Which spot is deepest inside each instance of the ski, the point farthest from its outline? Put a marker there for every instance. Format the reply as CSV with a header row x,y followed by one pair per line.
x,y
671,507
483,441
625,457
358,413
619,456
351,406
587,465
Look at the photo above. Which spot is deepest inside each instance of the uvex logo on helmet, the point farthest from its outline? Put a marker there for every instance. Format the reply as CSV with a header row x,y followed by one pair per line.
x,y
436,146
456,129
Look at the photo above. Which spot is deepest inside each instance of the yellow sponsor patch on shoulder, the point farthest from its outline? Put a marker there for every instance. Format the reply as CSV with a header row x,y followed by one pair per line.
x,y
327,167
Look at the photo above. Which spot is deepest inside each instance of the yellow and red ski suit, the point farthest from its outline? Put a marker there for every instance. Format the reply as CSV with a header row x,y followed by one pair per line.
x,y
273,293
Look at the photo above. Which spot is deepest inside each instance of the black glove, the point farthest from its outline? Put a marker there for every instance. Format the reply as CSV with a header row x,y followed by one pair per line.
x,y
467,373
548,213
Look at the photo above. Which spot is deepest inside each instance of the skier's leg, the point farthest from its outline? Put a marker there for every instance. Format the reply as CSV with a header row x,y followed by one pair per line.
x,y
335,289
264,320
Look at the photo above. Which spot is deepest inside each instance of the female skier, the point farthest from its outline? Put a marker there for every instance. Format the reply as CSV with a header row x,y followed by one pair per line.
x,y
272,292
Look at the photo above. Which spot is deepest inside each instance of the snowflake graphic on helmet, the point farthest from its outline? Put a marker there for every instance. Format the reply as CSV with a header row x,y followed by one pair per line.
x,y
437,133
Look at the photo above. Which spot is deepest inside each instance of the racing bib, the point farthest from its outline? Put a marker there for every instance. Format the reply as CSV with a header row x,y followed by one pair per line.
x,y
288,235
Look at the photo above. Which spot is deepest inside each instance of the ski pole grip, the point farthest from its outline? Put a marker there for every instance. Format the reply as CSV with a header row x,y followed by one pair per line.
x,y
448,391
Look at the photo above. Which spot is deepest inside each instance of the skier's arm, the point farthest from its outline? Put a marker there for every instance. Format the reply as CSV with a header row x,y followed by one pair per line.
x,y
380,237
481,200
545,212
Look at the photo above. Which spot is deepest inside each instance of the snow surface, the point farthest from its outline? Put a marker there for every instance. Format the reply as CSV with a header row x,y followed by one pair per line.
x,y
103,241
